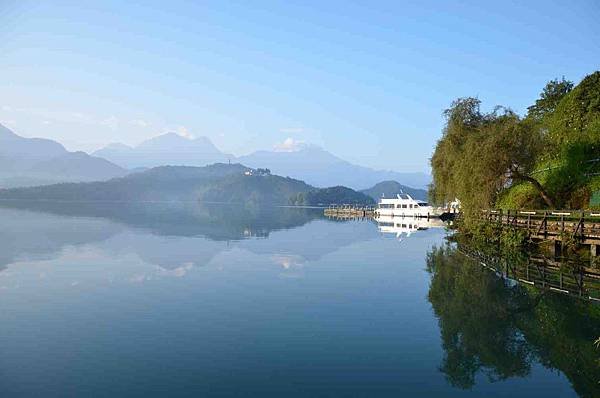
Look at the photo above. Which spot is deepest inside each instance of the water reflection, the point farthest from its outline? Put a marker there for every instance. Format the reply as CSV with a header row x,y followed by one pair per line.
x,y
213,221
404,227
259,301
565,276
493,326
173,236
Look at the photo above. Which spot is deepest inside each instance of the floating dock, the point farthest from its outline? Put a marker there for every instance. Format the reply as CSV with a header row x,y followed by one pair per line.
x,y
349,211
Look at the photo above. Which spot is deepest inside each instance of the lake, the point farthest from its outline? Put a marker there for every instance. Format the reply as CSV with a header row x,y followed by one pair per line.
x,y
157,299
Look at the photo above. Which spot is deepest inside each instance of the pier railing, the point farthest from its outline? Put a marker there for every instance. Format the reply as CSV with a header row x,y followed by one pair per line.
x,y
581,226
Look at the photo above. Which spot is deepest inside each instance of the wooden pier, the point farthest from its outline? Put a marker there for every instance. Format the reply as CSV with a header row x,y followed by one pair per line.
x,y
559,226
349,211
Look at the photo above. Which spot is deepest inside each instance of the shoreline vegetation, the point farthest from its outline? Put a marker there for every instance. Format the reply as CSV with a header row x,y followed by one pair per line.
x,y
547,159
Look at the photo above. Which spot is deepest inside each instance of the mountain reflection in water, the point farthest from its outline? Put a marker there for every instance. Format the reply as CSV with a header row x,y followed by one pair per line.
x,y
181,299
170,235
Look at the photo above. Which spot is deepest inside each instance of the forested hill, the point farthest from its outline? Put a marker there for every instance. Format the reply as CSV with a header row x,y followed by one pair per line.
x,y
549,157
390,189
332,195
229,183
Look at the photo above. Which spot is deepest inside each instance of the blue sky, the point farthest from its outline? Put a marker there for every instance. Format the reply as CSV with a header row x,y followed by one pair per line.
x,y
368,81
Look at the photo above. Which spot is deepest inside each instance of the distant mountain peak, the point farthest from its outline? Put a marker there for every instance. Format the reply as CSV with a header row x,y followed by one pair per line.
x,y
171,135
289,145
5,132
321,168
40,161
118,146
169,148
21,148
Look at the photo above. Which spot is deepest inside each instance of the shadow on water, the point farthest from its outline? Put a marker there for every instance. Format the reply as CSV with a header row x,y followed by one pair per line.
x,y
494,326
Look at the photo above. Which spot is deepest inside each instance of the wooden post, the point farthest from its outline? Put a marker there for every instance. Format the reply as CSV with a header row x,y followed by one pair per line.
x,y
560,279
582,226
544,276
556,249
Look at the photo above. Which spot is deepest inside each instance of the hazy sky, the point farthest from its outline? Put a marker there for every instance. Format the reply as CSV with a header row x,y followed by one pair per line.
x,y
366,80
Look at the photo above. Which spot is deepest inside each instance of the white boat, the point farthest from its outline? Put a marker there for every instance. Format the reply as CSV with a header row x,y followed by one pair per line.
x,y
403,205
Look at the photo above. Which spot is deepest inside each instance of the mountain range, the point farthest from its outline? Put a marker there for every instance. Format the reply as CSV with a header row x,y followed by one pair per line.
x,y
39,161
320,168
310,163
167,149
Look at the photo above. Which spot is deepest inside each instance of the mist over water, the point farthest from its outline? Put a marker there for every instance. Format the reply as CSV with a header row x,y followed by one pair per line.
x,y
184,299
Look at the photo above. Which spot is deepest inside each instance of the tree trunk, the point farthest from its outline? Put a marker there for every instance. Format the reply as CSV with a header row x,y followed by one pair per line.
x,y
518,176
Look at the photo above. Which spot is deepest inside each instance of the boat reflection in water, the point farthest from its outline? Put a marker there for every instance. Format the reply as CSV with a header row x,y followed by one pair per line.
x,y
403,227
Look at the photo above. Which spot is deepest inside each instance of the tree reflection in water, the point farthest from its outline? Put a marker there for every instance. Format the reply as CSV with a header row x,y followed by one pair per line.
x,y
499,328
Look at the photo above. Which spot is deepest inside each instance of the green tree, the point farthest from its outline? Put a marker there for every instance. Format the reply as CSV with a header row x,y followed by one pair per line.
x,y
479,155
573,137
577,116
462,121
549,99
551,156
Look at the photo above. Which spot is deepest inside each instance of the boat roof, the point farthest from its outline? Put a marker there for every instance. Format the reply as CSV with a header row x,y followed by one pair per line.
x,y
401,197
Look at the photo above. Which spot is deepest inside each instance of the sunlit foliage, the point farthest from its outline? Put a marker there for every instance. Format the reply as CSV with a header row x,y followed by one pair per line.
x,y
547,158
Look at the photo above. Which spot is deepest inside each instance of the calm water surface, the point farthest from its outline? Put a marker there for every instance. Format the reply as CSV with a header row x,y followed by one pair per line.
x,y
189,300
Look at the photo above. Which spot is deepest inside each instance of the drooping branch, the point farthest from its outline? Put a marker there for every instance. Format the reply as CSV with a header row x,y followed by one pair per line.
x,y
516,175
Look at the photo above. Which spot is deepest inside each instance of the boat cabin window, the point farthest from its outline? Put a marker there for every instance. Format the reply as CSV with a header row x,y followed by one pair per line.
x,y
386,206
404,206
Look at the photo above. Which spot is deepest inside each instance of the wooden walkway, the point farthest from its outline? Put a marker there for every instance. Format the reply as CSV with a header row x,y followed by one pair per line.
x,y
582,227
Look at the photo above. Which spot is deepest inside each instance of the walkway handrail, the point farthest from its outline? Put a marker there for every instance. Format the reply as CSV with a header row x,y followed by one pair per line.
x,y
550,213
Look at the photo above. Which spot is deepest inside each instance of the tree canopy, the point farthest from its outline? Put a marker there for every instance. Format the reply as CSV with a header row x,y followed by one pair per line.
x,y
550,96
547,158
